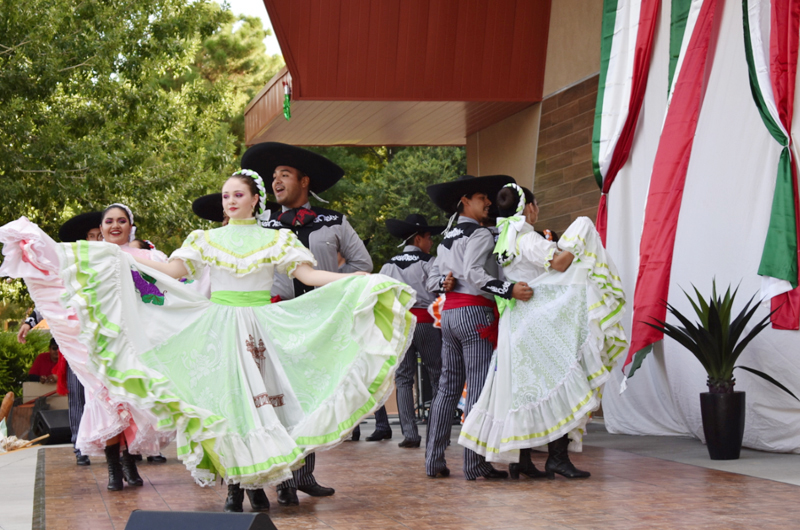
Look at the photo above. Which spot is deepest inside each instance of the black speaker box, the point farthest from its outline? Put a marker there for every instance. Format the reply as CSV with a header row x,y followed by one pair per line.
x,y
147,520
55,423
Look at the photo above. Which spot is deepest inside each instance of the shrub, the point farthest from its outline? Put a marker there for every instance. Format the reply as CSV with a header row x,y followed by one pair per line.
x,y
16,359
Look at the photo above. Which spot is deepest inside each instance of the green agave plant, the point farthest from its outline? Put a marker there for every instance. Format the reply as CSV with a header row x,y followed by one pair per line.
x,y
716,341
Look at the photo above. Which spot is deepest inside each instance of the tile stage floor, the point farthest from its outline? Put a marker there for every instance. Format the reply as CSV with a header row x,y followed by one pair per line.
x,y
380,486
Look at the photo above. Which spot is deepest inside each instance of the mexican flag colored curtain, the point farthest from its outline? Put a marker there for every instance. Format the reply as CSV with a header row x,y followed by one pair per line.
x,y
687,89
625,49
771,33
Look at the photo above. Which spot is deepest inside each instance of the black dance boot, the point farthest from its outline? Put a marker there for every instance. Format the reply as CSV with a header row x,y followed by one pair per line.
x,y
558,461
129,471
525,467
288,497
235,498
114,467
258,500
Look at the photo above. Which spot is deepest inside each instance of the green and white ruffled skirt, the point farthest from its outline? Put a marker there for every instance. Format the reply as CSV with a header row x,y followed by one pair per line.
x,y
249,389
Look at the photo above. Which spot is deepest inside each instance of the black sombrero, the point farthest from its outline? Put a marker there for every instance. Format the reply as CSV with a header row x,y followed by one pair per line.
x,y
76,228
448,194
414,224
210,207
265,157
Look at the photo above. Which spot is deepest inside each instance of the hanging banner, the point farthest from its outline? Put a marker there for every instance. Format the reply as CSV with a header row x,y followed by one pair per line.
x,y
770,38
625,50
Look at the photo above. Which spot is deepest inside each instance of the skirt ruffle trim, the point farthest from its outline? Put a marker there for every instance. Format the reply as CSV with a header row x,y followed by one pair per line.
x,y
383,329
565,410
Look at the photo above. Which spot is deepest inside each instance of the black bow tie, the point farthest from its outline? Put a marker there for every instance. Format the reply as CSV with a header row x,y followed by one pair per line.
x,y
296,217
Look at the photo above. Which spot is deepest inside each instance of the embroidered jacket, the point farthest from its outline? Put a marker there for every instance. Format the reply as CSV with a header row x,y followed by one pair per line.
x,y
327,236
467,252
412,267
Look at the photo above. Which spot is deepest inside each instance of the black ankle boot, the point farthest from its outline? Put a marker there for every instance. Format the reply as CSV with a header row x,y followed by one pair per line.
x,y
114,467
258,500
235,498
558,461
129,471
525,467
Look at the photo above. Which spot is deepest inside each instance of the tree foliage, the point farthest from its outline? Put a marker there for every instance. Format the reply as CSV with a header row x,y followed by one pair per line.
x,y
385,183
16,359
135,101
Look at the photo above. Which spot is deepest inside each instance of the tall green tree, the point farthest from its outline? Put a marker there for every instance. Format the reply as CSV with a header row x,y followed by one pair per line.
x,y
87,119
235,57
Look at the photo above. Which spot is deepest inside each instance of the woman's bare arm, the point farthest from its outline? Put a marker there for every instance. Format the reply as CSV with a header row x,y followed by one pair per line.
x,y
561,261
315,278
175,268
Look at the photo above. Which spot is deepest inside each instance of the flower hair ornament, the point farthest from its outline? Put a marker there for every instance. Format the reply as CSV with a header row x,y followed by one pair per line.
x,y
506,246
121,206
262,213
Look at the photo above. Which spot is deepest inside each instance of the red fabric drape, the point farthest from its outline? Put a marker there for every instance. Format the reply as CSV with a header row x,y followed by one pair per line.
x,y
783,43
666,186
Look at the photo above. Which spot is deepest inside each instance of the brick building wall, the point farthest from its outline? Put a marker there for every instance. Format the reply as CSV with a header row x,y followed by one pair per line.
x,y
564,184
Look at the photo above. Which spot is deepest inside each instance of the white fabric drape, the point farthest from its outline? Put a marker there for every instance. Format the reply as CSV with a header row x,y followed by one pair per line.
x,y
722,226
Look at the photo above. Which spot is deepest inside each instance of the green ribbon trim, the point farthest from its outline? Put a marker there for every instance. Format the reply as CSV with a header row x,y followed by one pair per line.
x,y
531,436
385,304
250,221
264,466
503,304
241,298
503,248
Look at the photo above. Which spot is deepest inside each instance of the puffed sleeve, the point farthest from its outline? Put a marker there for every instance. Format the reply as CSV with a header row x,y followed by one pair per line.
x,y
535,249
292,253
191,252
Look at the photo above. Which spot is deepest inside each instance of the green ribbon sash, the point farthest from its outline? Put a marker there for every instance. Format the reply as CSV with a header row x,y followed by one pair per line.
x,y
241,298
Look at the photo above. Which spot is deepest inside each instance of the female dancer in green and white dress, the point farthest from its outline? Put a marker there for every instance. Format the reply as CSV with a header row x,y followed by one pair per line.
x,y
555,351
250,388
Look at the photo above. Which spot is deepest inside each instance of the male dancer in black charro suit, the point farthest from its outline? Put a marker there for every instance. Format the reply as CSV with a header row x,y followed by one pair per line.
x,y
296,173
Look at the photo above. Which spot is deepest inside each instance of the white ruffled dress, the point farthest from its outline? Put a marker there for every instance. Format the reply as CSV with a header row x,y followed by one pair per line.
x,y
31,254
250,387
554,352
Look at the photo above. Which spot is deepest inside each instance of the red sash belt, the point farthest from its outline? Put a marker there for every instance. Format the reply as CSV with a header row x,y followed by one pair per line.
x,y
456,300
423,317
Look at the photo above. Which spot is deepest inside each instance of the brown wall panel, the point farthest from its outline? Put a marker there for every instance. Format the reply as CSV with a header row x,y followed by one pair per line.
x,y
429,50
564,185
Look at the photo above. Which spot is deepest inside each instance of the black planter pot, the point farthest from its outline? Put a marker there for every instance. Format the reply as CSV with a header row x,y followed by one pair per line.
x,y
723,424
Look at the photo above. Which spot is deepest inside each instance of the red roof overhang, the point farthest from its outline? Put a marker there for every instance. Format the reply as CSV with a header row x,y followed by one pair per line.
x,y
400,72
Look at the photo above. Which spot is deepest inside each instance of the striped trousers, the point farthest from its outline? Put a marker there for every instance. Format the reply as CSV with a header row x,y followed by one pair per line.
x,y
303,476
465,357
427,343
76,401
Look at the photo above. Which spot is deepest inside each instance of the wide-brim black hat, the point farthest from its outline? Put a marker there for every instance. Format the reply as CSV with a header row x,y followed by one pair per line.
x,y
210,207
265,157
76,228
414,224
448,194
